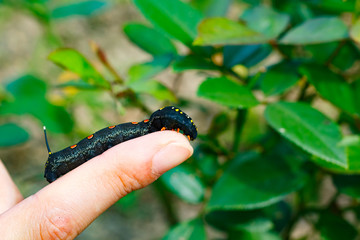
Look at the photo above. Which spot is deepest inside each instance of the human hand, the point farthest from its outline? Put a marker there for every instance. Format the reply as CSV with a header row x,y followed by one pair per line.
x,y
63,209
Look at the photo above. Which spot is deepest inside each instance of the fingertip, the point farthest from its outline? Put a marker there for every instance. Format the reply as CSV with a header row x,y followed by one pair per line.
x,y
170,156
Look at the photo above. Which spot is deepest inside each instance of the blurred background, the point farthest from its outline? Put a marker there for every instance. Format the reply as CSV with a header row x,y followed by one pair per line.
x,y
30,31
79,66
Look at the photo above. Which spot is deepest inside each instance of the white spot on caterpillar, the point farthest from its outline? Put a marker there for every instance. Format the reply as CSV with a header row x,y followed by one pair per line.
x,y
282,130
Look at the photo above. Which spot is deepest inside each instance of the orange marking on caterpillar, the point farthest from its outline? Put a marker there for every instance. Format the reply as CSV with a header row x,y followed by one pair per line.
x,y
188,136
178,130
112,127
163,128
134,122
73,146
146,120
91,136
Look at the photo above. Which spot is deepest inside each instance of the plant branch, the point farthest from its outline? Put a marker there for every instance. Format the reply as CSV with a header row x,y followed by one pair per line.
x,y
103,58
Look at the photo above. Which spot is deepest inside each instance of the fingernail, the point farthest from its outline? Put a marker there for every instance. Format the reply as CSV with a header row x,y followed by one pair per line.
x,y
170,156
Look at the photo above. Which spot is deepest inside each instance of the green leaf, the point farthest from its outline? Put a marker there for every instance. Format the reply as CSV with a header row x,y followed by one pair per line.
x,y
27,86
140,74
29,98
317,30
320,53
348,184
148,70
190,230
154,88
84,8
355,31
279,78
334,227
333,6
72,60
252,182
254,220
174,17
309,129
148,39
332,87
346,57
353,158
212,8
184,182
222,31
12,134
227,92
190,62
248,55
266,21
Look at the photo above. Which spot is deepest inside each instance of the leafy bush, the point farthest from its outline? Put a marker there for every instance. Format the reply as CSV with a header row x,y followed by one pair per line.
x,y
287,77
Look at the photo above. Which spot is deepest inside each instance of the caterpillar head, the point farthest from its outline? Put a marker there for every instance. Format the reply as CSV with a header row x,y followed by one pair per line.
x,y
172,118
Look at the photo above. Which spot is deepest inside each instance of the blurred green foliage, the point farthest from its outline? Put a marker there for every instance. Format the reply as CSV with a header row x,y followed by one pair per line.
x,y
281,56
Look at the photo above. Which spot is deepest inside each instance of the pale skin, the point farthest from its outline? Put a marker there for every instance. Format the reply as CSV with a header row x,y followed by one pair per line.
x,y
63,209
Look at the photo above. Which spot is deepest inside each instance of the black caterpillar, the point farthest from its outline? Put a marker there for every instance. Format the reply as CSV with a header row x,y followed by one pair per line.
x,y
167,118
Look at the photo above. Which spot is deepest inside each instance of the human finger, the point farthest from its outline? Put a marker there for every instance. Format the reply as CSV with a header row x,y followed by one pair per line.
x,y
67,206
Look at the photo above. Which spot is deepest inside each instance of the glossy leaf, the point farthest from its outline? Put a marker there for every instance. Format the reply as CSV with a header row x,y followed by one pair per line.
x,y
12,134
222,31
29,98
248,55
190,62
317,30
332,87
83,8
174,17
346,57
72,60
184,182
154,88
148,70
149,39
190,230
212,8
353,158
334,227
279,78
266,21
333,6
254,220
252,183
140,78
227,92
321,53
309,129
348,184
